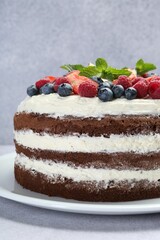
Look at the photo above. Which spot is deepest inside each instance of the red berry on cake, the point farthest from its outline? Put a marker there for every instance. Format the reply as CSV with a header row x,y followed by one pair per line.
x,y
59,81
142,89
137,79
154,89
41,83
115,82
87,90
124,81
75,80
154,77
50,78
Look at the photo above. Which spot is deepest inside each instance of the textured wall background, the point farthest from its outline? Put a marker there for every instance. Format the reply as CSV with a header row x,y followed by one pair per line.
x,y
37,36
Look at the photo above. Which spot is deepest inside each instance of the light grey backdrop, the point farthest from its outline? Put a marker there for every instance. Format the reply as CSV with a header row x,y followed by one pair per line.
x,y
37,36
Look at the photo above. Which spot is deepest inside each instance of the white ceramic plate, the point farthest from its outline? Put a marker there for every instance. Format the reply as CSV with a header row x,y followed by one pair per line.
x,y
11,190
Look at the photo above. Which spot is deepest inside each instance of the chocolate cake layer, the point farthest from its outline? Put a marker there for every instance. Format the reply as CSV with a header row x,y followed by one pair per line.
x,y
85,191
91,126
98,160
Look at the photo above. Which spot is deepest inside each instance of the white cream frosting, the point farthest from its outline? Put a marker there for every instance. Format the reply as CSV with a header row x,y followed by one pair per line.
x,y
53,170
74,105
115,143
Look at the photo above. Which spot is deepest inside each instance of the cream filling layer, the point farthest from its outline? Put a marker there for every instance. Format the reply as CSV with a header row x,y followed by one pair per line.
x,y
74,105
54,170
115,143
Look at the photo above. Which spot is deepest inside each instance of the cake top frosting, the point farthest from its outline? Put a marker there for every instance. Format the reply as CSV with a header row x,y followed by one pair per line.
x,y
77,106
95,91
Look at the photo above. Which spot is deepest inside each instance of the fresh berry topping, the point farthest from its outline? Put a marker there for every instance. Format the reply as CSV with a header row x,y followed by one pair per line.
x,y
142,89
130,93
118,91
124,81
50,78
146,75
59,81
97,79
115,82
137,79
47,89
156,94
32,90
41,83
105,94
87,90
75,80
104,85
154,89
64,89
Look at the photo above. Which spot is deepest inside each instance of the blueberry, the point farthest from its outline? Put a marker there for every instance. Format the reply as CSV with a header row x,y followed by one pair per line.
x,y
130,93
104,85
32,90
105,94
118,91
47,88
97,79
64,89
111,84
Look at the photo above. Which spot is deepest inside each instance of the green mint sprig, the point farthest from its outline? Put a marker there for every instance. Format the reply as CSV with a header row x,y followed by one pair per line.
x,y
144,67
100,69
70,67
103,70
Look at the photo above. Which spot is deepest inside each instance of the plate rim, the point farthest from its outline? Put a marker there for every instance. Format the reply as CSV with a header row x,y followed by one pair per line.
x,y
79,207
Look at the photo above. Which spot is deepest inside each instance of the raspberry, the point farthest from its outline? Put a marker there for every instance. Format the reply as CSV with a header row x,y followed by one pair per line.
x,y
124,81
154,77
137,79
156,94
41,83
154,89
87,90
59,81
142,89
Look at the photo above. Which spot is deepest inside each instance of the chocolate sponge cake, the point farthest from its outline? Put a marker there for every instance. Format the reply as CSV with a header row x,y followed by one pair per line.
x,y
76,139
102,152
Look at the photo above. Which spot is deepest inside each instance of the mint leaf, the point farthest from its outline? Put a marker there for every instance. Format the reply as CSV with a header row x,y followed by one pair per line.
x,y
101,64
70,67
142,67
113,73
89,71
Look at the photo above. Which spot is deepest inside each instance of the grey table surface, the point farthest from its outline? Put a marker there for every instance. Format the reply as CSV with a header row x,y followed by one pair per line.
x,y
18,221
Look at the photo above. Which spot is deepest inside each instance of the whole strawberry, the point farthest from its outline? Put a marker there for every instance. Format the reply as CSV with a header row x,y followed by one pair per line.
x,y
142,89
87,90
124,81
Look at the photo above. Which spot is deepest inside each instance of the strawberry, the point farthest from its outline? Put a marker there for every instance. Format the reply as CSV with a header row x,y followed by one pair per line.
x,y
124,81
86,89
50,78
154,89
75,80
41,83
115,81
142,89
59,81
